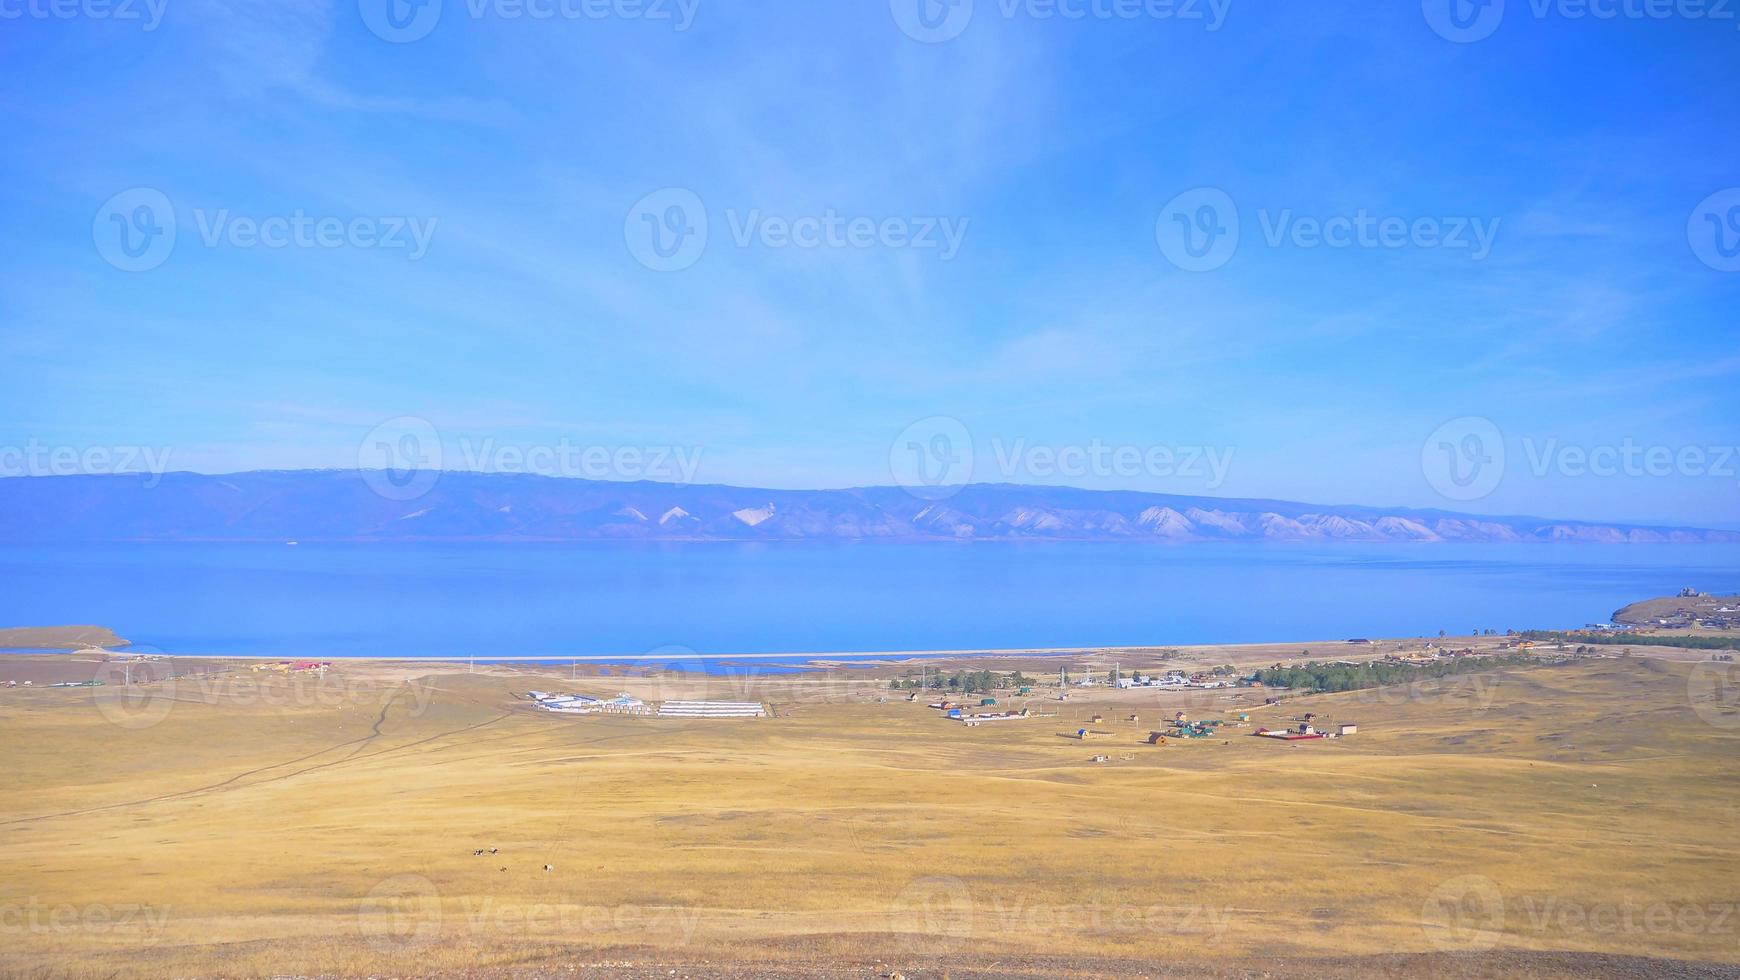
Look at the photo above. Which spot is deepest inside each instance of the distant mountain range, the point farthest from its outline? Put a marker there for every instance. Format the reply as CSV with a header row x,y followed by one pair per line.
x,y
352,505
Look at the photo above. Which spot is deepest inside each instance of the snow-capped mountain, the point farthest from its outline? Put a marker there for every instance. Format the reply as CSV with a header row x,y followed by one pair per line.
x,y
313,505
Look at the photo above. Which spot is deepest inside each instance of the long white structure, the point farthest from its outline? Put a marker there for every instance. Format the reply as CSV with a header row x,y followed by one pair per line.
x,y
712,709
574,704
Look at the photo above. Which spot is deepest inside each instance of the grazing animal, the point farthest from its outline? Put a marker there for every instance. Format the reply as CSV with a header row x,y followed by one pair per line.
x,y
549,867
504,867
477,853
494,849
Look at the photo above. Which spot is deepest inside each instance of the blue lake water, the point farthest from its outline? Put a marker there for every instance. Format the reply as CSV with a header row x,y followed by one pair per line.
x,y
496,600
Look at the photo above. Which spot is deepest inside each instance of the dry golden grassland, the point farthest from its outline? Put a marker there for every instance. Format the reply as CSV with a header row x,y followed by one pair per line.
x,y
257,825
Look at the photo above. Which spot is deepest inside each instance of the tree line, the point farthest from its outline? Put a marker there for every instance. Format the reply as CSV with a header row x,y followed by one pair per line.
x,y
1324,677
1632,639
963,681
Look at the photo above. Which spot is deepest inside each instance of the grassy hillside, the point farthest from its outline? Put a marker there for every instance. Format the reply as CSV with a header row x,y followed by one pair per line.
x,y
256,827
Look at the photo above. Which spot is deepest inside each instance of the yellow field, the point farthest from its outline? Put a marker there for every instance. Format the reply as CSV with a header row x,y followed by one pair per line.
x,y
265,825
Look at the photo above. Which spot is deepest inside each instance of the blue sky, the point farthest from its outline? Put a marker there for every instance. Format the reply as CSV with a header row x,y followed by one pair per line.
x,y
1592,319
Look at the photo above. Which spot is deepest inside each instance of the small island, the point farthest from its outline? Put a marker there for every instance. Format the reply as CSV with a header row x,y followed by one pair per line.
x,y
59,638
